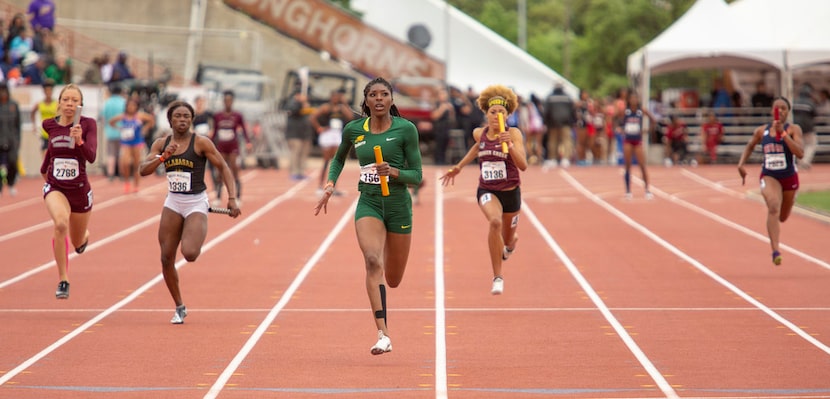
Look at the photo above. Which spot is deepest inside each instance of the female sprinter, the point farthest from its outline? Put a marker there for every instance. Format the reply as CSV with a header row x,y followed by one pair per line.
x,y
499,196
781,143
630,121
383,223
184,216
134,124
67,193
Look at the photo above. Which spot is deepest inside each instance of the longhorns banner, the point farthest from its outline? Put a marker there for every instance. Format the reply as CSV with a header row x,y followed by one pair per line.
x,y
324,27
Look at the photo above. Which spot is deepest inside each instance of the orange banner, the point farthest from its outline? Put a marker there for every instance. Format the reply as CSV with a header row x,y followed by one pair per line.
x,y
324,27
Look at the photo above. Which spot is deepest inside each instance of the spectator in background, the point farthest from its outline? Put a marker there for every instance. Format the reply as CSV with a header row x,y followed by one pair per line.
x,y
761,99
823,107
42,15
106,68
298,132
711,134
20,46
113,106
443,119
559,117
530,122
33,69
45,109
720,96
120,70
675,140
10,124
92,74
60,71
804,115
16,27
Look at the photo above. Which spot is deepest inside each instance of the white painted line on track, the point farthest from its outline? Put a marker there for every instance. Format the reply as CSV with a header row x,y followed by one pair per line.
x,y
692,261
141,290
755,196
726,222
72,255
226,375
440,311
629,342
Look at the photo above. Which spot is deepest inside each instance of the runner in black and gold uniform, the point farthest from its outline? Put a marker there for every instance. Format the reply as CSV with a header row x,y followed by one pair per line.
x,y
184,216
383,224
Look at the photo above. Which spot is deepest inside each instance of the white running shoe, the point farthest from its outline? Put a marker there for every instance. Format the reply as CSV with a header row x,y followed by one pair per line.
x,y
383,345
179,315
506,252
498,286
649,195
628,196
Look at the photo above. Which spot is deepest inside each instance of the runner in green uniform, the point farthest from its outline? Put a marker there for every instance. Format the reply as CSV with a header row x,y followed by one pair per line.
x,y
383,223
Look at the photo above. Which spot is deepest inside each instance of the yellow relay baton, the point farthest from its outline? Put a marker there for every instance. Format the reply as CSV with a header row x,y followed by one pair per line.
x,y
384,185
501,129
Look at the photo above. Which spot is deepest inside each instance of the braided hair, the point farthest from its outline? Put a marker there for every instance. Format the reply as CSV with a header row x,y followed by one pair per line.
x,y
365,107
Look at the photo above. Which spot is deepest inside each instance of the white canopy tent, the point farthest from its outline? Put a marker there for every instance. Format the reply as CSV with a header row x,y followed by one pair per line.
x,y
475,55
747,34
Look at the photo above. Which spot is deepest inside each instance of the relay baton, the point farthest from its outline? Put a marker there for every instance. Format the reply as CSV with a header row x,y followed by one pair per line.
x,y
76,121
384,186
776,116
501,129
224,211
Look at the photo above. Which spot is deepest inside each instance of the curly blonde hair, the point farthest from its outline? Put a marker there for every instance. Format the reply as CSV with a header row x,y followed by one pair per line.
x,y
496,92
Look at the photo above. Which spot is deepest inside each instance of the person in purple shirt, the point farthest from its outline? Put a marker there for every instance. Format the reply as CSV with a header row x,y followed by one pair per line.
x,y
42,14
227,125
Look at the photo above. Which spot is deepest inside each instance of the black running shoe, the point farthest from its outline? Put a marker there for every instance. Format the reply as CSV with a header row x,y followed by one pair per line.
x,y
82,248
63,290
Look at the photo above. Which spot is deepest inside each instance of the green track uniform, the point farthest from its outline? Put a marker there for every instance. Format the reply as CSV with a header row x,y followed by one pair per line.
x,y
399,146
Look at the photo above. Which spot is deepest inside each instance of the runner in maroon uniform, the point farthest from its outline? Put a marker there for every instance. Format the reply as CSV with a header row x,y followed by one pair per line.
x,y
226,128
67,193
498,193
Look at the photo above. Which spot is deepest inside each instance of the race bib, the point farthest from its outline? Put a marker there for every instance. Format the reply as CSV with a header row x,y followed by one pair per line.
x,y
599,120
226,134
775,161
491,170
178,182
369,174
65,168
127,133
632,128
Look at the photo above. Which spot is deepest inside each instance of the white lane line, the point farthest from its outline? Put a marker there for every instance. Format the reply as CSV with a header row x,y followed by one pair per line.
x,y
419,310
749,194
629,342
72,255
726,222
440,311
141,290
275,311
722,281
96,207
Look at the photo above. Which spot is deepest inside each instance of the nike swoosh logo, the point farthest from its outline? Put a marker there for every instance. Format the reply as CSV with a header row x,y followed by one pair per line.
x,y
390,138
406,227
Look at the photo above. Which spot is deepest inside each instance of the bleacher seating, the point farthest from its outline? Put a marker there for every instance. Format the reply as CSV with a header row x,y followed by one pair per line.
x,y
739,124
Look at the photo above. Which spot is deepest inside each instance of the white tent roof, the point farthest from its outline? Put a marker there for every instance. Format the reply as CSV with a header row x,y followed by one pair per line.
x,y
748,34
475,55
797,29
704,37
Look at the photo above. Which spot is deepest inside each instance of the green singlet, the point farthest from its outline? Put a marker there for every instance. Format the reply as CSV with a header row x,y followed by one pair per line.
x,y
399,145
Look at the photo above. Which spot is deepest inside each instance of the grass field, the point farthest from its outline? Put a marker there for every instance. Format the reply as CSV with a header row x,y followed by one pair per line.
x,y
819,200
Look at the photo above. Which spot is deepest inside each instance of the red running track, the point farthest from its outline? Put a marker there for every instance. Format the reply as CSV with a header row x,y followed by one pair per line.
x,y
604,298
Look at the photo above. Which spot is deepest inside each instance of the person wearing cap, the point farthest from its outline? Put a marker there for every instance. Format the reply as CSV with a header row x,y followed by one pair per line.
x,y
498,194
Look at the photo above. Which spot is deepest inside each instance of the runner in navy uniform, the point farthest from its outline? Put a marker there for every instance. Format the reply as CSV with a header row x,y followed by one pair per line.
x,y
631,122
781,143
